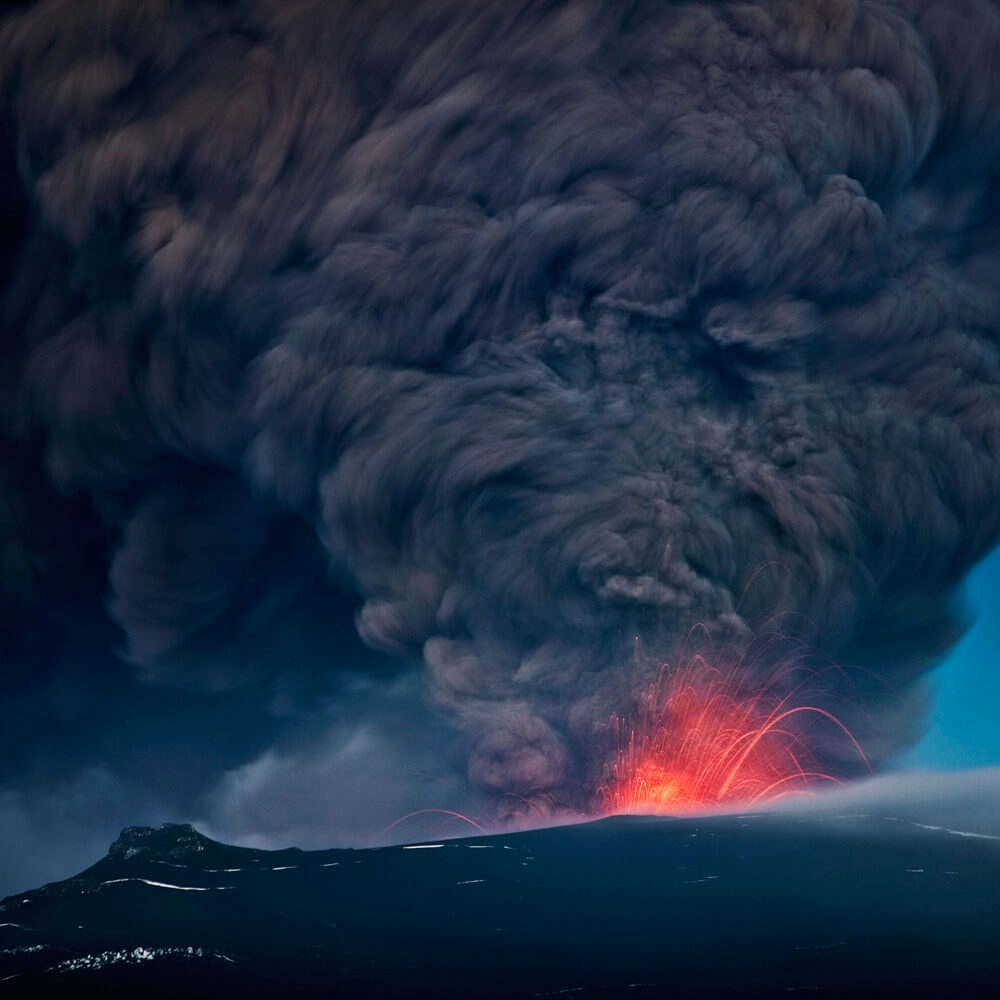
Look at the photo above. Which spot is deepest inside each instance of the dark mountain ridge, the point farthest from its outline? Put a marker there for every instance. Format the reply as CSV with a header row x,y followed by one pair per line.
x,y
740,906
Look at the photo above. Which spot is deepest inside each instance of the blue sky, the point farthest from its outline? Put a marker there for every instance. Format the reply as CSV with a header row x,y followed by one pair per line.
x,y
964,726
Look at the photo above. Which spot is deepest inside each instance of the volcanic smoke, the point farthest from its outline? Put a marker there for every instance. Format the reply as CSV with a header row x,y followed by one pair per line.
x,y
491,336
703,737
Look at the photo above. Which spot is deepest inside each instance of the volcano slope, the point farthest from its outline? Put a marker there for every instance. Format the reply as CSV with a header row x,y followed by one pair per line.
x,y
741,906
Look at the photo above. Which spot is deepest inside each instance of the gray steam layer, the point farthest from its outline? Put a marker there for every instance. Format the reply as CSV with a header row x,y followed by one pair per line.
x,y
545,324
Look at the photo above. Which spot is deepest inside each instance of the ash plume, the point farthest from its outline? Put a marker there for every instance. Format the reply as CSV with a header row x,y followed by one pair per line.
x,y
520,329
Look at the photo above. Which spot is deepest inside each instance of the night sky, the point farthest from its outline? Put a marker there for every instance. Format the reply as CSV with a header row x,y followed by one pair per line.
x,y
389,390
962,727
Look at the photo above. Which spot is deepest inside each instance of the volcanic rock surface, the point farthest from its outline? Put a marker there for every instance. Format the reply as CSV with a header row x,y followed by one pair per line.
x,y
742,906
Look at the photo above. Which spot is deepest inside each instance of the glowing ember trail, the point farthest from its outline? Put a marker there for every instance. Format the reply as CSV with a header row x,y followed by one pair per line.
x,y
700,740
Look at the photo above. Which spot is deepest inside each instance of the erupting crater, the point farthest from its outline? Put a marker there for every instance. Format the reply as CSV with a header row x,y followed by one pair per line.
x,y
702,738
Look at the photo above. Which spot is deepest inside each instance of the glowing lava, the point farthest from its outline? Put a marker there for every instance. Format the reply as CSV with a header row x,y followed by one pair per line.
x,y
700,740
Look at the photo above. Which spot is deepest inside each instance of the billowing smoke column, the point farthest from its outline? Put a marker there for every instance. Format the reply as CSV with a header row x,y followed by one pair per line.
x,y
539,326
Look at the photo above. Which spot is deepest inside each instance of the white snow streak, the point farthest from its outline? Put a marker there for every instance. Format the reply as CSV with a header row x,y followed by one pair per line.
x,y
167,885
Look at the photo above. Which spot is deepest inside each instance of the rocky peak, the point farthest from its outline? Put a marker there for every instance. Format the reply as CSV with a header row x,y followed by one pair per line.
x,y
173,840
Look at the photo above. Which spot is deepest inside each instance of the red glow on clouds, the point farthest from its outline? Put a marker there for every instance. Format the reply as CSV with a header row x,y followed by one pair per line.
x,y
700,740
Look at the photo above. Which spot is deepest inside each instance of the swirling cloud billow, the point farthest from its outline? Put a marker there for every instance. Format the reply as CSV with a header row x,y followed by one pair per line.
x,y
514,331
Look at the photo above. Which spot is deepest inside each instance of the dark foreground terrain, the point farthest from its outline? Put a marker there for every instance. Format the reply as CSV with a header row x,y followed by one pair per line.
x,y
629,907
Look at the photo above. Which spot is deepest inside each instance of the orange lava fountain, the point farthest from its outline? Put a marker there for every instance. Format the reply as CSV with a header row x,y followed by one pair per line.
x,y
701,740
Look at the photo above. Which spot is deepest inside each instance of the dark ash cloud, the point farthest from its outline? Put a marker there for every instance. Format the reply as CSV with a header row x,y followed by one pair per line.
x,y
513,332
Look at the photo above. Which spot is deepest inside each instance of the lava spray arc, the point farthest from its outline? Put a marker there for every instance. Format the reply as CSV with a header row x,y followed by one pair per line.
x,y
701,738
